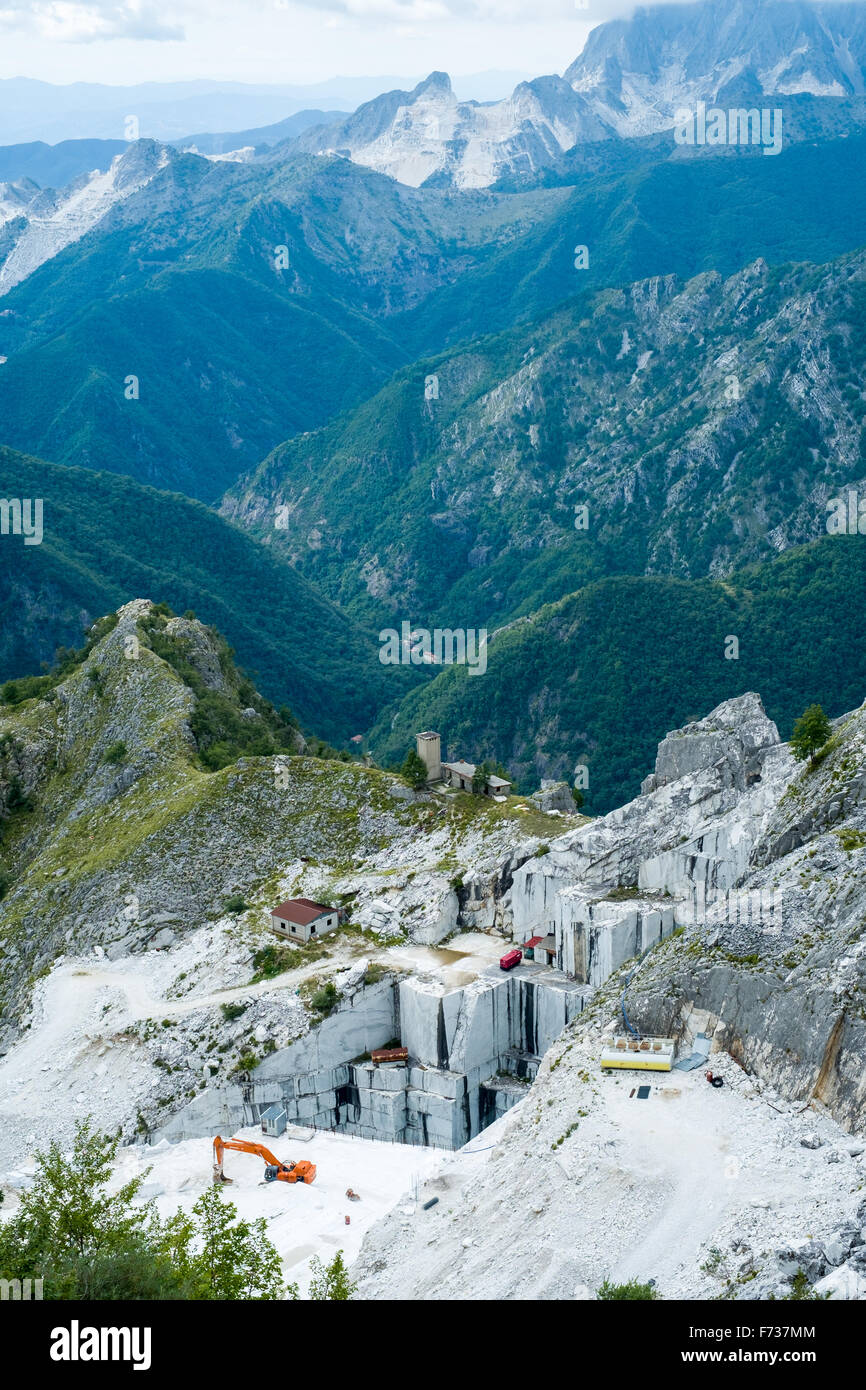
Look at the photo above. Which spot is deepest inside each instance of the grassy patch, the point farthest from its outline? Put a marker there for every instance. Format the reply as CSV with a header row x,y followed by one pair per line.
x,y
274,960
851,839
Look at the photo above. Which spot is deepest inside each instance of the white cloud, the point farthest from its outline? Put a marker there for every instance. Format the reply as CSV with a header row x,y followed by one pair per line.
x,y
421,11
88,21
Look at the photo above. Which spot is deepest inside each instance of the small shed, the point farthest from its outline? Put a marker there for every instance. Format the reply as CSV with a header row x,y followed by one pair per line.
x,y
274,1120
389,1054
496,786
300,919
541,948
461,773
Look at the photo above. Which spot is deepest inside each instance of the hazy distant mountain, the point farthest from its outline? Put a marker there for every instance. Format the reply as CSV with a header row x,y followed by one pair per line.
x,y
229,140
631,78
55,166
178,284
32,110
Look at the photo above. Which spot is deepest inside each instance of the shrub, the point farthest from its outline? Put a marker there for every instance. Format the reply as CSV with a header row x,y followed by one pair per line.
x,y
232,1011
632,1291
802,1291
16,797
116,752
15,692
274,960
325,999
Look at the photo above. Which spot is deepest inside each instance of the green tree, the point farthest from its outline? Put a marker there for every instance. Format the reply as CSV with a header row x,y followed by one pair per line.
x,y
811,732
414,770
89,1243
330,1282
69,1201
480,775
219,1257
83,1240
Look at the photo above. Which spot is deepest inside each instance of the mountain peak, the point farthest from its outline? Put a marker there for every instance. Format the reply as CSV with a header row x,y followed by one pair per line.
x,y
435,83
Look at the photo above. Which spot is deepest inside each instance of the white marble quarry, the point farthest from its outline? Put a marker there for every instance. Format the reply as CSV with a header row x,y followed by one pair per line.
x,y
462,1029
459,1039
595,936
688,838
365,1020
715,861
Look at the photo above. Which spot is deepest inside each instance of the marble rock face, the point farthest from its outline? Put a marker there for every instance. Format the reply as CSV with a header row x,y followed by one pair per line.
x,y
689,834
554,796
736,733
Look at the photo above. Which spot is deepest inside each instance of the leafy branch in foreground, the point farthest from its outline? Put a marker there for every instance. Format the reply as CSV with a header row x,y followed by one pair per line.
x,y
88,1242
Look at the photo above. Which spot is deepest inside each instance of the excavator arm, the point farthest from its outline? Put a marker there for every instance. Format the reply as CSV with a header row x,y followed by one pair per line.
x,y
275,1170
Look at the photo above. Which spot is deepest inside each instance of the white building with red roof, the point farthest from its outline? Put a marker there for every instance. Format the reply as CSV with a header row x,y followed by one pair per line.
x,y
300,919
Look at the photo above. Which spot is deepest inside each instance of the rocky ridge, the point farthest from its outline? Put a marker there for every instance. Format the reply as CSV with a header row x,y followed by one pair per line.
x,y
116,838
631,79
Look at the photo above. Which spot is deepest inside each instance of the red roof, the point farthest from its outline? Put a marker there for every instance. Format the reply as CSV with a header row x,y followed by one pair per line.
x,y
302,911
533,941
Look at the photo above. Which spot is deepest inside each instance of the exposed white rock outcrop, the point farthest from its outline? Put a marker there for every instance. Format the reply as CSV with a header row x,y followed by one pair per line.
x,y
688,837
50,221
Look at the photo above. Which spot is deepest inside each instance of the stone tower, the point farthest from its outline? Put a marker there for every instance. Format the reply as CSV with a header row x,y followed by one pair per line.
x,y
429,748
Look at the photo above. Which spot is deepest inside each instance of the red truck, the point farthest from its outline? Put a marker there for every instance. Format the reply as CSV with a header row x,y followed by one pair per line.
x,y
510,959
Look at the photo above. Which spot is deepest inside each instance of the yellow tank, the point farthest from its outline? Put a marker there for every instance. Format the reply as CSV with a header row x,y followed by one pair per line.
x,y
623,1052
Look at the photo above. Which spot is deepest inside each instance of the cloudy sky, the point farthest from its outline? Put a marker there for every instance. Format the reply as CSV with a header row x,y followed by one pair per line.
x,y
124,41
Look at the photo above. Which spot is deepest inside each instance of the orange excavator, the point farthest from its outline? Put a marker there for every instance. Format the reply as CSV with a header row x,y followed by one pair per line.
x,y
275,1171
